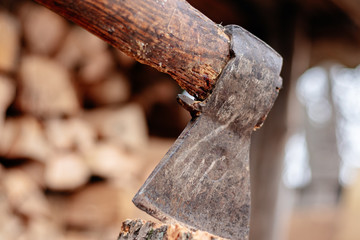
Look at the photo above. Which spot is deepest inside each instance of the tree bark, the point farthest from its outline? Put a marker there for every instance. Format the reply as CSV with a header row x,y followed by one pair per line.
x,y
169,35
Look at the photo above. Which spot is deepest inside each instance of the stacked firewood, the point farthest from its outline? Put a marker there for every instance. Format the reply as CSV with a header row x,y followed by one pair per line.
x,y
74,135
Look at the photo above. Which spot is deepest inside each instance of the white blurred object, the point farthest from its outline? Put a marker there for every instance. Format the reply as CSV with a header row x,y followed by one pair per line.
x,y
297,171
313,90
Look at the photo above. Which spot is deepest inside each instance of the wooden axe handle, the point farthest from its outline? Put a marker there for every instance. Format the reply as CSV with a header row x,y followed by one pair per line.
x,y
169,35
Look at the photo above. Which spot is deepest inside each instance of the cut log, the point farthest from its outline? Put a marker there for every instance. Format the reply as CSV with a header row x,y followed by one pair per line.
x,y
170,36
46,88
124,126
108,161
7,94
70,134
35,170
92,207
24,195
23,138
139,229
44,30
9,42
10,225
114,89
43,229
79,45
66,172
96,68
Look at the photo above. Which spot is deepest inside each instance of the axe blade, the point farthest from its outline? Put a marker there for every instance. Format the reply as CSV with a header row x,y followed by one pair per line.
x,y
203,181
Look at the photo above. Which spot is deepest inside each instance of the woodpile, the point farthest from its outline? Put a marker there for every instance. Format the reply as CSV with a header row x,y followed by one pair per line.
x,y
74,129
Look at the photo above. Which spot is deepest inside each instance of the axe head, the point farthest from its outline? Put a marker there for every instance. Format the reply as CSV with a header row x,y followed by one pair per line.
x,y
203,181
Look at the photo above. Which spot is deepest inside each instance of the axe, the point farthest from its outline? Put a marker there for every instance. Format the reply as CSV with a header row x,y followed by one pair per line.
x,y
203,182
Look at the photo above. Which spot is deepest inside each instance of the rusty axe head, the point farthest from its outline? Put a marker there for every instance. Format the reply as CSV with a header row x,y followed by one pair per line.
x,y
203,181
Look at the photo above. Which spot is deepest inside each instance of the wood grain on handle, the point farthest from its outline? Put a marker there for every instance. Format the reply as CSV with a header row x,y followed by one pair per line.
x,y
169,35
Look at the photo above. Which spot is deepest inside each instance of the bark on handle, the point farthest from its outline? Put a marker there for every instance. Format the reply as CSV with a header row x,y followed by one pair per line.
x,y
169,35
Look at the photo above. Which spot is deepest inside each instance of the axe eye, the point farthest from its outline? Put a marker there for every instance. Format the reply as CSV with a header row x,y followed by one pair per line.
x,y
189,104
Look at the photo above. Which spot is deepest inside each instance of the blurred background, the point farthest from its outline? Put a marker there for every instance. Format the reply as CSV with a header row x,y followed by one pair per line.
x,y
82,125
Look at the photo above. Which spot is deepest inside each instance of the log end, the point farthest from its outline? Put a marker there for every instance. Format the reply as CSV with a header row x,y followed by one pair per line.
x,y
140,229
